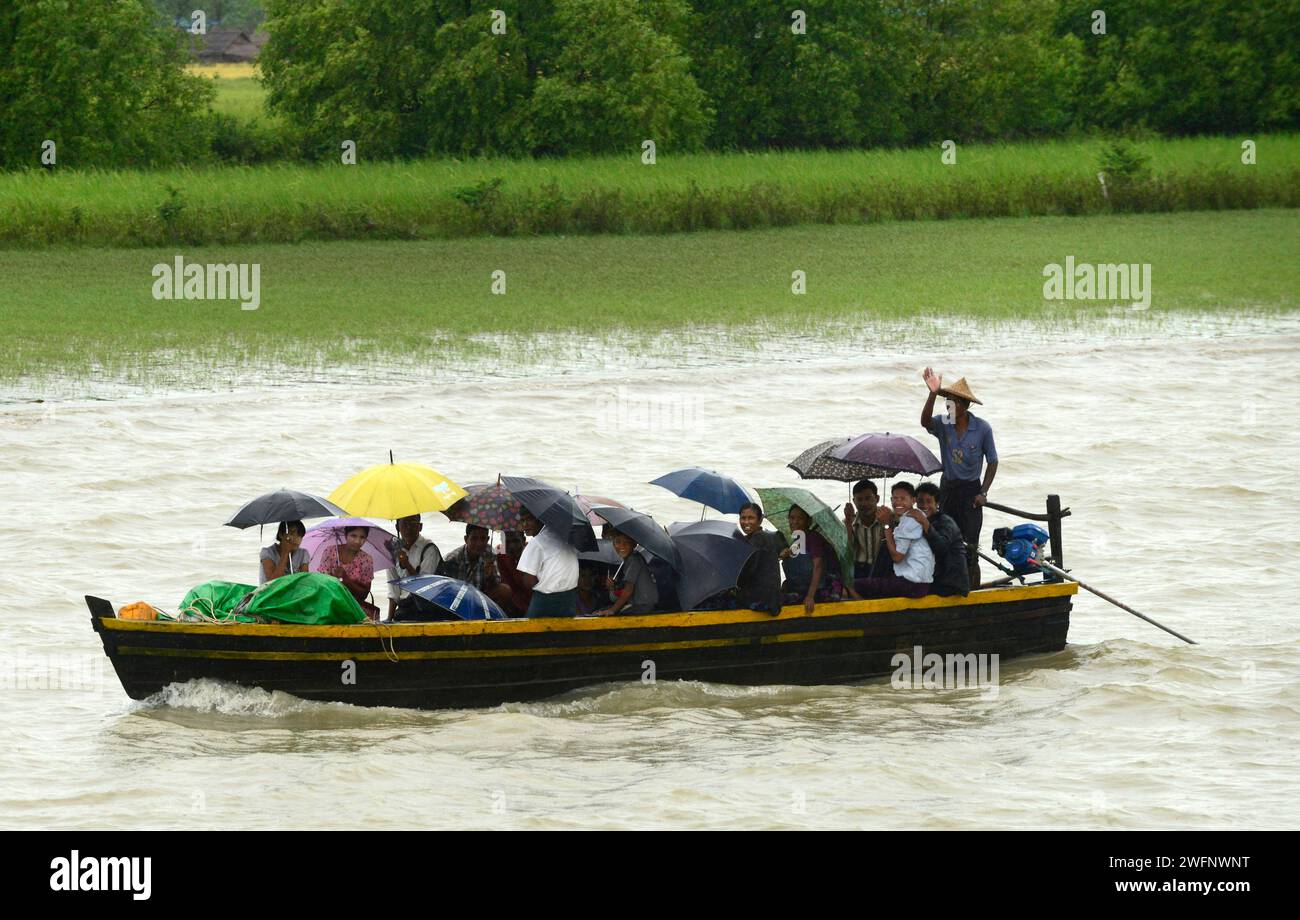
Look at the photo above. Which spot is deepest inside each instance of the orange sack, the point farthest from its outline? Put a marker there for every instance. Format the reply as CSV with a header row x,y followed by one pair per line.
x,y
137,611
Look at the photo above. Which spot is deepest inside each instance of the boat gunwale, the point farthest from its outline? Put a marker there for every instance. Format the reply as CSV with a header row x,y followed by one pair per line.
x,y
826,609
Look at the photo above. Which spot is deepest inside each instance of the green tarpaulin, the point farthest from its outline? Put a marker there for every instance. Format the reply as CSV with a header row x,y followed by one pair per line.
x,y
212,600
311,598
305,597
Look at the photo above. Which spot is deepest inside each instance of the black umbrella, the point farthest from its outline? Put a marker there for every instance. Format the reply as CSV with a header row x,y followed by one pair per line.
x,y
643,529
555,508
817,462
604,553
712,555
284,505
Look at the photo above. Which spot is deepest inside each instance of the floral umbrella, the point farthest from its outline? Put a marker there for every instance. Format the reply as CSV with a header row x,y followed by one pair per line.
x,y
488,504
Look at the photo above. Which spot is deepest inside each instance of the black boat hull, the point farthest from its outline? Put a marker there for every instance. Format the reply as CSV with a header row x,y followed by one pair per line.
x,y
476,664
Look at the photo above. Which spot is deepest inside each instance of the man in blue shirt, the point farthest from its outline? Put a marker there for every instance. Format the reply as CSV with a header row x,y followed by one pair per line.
x,y
965,445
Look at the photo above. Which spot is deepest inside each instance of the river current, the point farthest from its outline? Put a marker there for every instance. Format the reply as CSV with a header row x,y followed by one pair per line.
x,y
1169,438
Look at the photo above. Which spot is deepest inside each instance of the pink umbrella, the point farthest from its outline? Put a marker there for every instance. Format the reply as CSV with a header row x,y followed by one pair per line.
x,y
333,533
586,501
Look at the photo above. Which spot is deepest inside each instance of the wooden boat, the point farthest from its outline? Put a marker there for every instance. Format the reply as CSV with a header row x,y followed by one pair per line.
x,y
486,663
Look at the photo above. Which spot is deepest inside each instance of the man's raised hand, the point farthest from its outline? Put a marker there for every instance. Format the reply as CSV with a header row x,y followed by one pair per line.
x,y
932,380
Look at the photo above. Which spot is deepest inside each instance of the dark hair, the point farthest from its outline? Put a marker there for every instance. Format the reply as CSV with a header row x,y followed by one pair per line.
x,y
285,526
905,486
470,528
812,525
865,485
364,530
751,506
928,488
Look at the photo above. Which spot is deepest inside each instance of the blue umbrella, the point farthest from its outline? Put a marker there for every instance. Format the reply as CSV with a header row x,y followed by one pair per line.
x,y
708,487
457,597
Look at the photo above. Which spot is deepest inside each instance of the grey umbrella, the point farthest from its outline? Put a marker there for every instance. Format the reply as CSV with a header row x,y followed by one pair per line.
x,y
555,508
284,505
643,529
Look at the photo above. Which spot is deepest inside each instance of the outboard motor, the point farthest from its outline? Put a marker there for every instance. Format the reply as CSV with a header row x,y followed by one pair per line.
x,y
1021,546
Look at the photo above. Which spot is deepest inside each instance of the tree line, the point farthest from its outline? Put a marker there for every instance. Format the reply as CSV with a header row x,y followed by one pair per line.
x,y
565,77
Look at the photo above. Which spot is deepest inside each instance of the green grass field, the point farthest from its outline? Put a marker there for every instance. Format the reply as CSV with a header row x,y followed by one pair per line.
x,y
239,91
444,199
71,311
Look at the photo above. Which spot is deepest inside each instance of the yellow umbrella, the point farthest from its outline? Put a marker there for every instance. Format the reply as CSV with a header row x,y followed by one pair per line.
x,y
394,490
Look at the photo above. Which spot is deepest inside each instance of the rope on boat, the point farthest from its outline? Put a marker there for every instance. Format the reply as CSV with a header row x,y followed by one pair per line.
x,y
382,629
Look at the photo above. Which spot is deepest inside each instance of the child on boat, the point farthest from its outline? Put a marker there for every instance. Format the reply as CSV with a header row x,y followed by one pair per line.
x,y
813,574
911,554
632,585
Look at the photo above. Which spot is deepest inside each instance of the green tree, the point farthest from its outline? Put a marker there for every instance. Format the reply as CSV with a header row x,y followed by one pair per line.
x,y
837,84
103,79
1186,66
616,81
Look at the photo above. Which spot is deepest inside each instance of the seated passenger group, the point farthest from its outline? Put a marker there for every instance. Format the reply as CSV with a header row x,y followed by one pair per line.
x,y
908,550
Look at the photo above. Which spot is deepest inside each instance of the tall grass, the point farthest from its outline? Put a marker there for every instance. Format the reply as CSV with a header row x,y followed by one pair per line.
x,y
435,199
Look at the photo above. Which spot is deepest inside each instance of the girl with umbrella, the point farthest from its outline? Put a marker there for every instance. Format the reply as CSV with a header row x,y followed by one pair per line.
x,y
812,575
353,566
285,556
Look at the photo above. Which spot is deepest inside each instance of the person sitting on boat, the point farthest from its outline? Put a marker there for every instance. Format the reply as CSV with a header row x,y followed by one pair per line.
x,y
549,566
666,585
353,566
632,586
905,542
285,556
811,569
951,574
759,584
965,445
471,562
521,593
412,555
592,594
865,532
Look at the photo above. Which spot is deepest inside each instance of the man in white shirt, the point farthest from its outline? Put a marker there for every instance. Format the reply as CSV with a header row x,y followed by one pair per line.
x,y
549,565
905,542
414,555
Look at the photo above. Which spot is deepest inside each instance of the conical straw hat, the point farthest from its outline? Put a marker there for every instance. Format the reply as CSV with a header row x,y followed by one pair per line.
x,y
960,390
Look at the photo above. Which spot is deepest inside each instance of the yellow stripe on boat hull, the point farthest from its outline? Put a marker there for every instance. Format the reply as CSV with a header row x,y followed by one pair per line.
x,y
571,624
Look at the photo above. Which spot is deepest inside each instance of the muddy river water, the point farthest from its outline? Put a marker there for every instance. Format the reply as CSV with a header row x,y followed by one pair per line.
x,y
1171,439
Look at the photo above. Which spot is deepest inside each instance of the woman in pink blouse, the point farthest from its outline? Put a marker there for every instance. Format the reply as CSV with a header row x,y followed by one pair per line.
x,y
352,565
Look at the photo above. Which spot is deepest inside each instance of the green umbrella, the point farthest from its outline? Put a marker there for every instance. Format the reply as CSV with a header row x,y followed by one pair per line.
x,y
777,502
